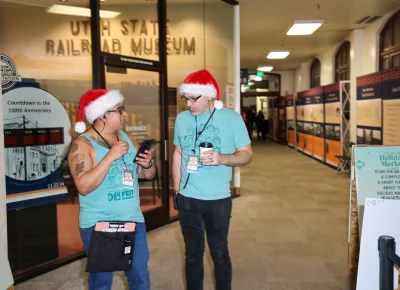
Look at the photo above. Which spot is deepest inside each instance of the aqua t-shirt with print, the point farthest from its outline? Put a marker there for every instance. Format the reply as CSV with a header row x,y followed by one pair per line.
x,y
112,201
227,132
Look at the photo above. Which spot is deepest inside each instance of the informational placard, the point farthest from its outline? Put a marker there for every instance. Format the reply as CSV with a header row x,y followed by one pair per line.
x,y
36,140
290,120
381,217
369,109
332,124
377,172
314,123
230,97
300,122
391,106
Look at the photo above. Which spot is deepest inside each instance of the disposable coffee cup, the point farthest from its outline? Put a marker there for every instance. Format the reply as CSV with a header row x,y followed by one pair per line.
x,y
205,146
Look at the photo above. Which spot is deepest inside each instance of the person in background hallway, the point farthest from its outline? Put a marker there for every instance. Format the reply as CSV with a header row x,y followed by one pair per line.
x,y
98,160
260,123
204,198
250,122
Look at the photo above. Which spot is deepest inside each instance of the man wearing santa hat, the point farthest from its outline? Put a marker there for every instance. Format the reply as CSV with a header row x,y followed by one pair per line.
x,y
102,164
202,181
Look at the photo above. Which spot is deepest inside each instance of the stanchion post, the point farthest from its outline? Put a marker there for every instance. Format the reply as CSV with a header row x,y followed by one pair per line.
x,y
386,244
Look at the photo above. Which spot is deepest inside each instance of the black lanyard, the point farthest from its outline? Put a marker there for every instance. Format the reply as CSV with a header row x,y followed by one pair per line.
x,y
197,138
108,144
201,132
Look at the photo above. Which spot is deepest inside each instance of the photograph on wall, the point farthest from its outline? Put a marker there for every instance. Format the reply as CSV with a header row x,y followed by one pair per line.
x,y
36,140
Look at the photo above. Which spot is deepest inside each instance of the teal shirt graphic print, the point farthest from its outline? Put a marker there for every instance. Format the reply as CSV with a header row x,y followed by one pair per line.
x,y
112,200
227,132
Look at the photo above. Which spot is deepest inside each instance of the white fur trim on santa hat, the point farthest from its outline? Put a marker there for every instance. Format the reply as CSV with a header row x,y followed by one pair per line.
x,y
102,104
80,127
218,104
207,91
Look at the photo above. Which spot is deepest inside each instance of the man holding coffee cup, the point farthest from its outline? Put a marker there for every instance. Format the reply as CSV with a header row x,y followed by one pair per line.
x,y
209,140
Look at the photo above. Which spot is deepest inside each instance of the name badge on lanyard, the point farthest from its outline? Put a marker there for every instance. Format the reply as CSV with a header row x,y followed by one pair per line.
x,y
127,178
193,164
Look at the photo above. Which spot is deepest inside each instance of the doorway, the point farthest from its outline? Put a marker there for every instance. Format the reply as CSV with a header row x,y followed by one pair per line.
x,y
139,81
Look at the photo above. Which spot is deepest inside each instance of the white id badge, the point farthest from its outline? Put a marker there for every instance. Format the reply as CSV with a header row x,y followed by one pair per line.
x,y
193,164
127,178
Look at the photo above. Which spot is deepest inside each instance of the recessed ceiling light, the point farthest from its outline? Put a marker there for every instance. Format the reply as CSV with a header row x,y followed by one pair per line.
x,y
79,11
304,27
278,54
265,68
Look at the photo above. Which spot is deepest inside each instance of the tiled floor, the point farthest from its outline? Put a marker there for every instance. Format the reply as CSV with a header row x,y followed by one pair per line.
x,y
288,231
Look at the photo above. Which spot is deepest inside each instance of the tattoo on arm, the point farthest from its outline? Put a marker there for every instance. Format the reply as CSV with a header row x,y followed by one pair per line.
x,y
87,142
80,167
73,148
78,158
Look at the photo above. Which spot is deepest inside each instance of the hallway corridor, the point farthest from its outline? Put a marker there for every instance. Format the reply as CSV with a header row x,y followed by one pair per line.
x,y
288,231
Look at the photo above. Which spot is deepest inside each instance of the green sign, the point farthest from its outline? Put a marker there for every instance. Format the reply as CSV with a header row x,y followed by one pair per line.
x,y
260,73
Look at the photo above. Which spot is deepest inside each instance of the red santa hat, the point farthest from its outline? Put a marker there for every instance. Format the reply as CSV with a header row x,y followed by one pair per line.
x,y
94,104
202,83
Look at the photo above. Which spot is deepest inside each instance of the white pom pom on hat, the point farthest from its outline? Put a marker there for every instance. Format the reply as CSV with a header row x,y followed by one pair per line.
x,y
94,104
202,83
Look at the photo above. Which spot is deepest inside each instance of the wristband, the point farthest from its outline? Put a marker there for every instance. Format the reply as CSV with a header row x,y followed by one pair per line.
x,y
148,167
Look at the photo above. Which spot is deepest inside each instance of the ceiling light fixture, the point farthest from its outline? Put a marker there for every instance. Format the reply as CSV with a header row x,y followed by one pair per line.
x,y
278,54
257,79
79,11
304,27
265,68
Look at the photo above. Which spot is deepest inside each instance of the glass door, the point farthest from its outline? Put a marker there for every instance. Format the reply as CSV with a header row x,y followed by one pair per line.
x,y
144,113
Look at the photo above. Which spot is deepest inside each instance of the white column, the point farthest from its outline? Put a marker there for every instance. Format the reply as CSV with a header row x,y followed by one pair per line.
x,y
236,43
3,211
356,70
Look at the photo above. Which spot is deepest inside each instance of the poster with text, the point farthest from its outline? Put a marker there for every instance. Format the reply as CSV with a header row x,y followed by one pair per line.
x,y
290,120
369,109
391,106
300,122
314,114
36,140
332,123
377,173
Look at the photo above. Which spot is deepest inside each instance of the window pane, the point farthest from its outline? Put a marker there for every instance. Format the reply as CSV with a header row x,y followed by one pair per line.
x,y
386,38
396,27
142,107
134,32
385,63
396,61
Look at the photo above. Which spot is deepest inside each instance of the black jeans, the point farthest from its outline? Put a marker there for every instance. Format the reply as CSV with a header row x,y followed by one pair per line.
x,y
213,217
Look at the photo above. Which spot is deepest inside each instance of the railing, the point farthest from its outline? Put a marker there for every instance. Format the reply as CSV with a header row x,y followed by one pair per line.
x,y
387,257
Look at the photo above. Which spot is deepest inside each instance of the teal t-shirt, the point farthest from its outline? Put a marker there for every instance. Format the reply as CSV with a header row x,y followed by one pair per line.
x,y
111,201
227,132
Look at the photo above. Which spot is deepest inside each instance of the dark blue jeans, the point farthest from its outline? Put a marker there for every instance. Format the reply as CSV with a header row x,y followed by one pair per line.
x,y
138,277
211,216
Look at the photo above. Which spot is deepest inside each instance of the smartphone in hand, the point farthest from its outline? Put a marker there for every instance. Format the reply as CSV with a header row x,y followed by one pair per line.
x,y
146,145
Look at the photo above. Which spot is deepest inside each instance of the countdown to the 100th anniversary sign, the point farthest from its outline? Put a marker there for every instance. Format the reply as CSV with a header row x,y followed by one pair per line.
x,y
36,139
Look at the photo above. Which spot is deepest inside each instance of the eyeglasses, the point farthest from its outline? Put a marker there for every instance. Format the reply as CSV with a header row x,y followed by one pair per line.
x,y
192,100
120,110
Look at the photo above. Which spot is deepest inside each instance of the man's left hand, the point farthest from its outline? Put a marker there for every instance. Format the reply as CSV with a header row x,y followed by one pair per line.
x,y
145,159
211,158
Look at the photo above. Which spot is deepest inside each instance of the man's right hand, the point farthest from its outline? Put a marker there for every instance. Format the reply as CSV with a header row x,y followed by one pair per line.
x,y
118,149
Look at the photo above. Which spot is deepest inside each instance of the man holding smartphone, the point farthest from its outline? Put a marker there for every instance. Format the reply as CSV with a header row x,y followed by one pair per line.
x,y
202,182
102,164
